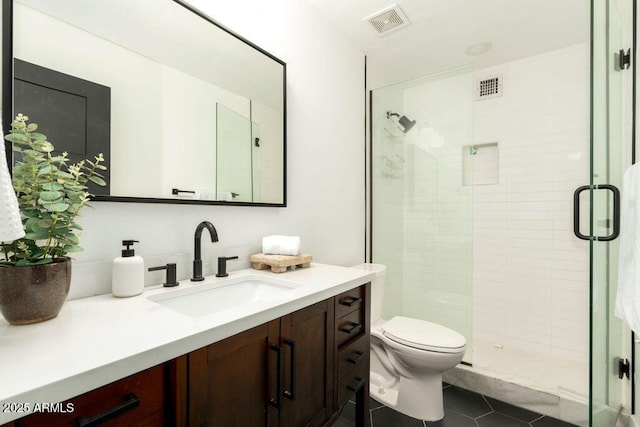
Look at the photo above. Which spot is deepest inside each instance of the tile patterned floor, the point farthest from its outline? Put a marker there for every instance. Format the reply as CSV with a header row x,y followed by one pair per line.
x,y
462,408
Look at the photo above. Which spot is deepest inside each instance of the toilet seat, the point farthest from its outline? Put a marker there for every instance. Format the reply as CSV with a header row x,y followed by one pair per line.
x,y
423,335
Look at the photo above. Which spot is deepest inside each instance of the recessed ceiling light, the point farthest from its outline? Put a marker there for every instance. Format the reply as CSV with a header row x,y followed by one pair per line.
x,y
479,49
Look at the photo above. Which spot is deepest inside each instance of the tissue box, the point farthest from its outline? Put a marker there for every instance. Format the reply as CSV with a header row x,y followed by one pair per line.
x,y
280,263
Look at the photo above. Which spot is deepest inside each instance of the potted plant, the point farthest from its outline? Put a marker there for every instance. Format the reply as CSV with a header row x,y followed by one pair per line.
x,y
35,271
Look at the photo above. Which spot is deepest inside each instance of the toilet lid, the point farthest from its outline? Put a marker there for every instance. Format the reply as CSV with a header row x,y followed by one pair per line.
x,y
424,335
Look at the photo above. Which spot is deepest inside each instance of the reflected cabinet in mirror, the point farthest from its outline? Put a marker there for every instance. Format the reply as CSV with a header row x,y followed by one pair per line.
x,y
184,110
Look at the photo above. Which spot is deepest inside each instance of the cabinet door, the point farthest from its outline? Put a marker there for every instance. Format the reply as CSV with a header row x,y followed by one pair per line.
x,y
307,339
138,400
232,381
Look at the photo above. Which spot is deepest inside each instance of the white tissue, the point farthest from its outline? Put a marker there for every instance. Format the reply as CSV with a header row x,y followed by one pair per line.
x,y
281,245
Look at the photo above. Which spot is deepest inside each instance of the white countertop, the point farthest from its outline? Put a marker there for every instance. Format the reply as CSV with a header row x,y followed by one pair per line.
x,y
97,340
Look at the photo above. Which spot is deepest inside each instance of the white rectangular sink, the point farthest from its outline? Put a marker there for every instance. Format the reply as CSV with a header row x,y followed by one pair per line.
x,y
212,296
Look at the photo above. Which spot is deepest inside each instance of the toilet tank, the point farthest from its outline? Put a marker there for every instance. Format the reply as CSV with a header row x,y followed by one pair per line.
x,y
377,288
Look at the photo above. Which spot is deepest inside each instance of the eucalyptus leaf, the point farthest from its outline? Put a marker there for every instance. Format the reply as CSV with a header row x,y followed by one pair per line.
x,y
45,223
36,236
17,137
72,238
51,186
55,207
26,263
45,170
50,196
38,136
97,180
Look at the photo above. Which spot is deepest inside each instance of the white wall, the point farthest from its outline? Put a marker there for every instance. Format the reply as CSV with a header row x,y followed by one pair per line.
x,y
325,168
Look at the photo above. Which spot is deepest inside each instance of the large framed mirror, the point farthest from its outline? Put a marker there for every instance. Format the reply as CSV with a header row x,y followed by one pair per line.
x,y
185,110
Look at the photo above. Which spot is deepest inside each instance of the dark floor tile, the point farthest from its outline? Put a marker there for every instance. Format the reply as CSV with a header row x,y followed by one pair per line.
x,y
512,411
452,419
349,412
551,422
373,404
387,417
343,423
465,402
495,419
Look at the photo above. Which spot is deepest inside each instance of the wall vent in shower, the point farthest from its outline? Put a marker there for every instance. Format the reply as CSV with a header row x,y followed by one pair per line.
x,y
388,20
489,87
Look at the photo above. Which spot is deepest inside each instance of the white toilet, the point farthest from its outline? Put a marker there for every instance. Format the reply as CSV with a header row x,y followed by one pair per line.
x,y
408,358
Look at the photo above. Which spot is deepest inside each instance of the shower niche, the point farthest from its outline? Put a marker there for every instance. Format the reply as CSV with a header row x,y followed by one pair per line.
x,y
480,164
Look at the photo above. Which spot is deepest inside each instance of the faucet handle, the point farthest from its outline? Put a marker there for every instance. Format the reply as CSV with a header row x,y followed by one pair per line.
x,y
222,265
170,280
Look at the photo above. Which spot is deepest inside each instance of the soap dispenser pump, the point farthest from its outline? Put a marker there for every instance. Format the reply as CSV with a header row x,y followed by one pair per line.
x,y
127,276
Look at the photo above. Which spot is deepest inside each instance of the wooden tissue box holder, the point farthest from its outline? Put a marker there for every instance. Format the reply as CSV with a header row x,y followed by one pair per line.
x,y
280,263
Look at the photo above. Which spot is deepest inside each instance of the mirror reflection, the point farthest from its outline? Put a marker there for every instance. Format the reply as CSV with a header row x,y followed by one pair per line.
x,y
194,114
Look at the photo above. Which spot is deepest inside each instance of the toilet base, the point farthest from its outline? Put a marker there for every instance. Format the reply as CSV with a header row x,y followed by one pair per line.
x,y
383,394
419,397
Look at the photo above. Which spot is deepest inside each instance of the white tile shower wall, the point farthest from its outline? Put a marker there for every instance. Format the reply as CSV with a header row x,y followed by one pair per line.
x,y
325,188
530,272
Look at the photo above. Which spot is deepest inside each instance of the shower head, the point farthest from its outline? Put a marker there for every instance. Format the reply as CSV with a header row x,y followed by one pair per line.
x,y
406,123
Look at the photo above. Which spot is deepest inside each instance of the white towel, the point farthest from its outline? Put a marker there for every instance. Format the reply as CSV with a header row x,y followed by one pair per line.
x,y
628,294
281,245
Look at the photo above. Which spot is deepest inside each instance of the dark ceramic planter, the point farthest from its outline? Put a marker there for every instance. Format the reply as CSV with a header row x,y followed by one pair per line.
x,y
34,294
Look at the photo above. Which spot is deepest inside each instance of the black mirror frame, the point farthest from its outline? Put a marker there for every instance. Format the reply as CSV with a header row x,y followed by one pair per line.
x,y
7,109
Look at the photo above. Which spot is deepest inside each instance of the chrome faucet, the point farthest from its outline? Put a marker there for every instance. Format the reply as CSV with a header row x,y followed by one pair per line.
x,y
197,248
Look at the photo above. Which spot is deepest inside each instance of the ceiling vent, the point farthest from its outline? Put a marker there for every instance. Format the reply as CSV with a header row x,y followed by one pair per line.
x,y
489,87
388,20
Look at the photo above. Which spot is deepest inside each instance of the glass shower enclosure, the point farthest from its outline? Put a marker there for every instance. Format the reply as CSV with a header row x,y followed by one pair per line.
x,y
475,213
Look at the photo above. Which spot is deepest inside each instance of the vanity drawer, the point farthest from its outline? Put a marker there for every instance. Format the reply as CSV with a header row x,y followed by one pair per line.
x,y
348,301
352,356
349,327
353,382
137,400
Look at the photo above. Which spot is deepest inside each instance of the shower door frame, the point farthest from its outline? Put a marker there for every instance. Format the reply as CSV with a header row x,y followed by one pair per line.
x,y
608,160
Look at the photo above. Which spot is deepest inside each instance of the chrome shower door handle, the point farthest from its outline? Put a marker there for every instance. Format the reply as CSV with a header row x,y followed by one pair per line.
x,y
616,212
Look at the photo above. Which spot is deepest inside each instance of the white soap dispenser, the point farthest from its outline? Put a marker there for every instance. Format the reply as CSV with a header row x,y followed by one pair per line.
x,y
127,276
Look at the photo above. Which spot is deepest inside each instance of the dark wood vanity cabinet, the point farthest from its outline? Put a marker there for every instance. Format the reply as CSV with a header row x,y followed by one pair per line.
x,y
352,350
307,337
276,374
149,398
295,371
231,382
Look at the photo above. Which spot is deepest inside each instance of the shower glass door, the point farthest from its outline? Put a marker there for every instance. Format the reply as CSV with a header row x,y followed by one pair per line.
x,y
607,141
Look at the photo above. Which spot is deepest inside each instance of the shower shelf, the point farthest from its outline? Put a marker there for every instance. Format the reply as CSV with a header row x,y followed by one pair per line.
x,y
393,166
